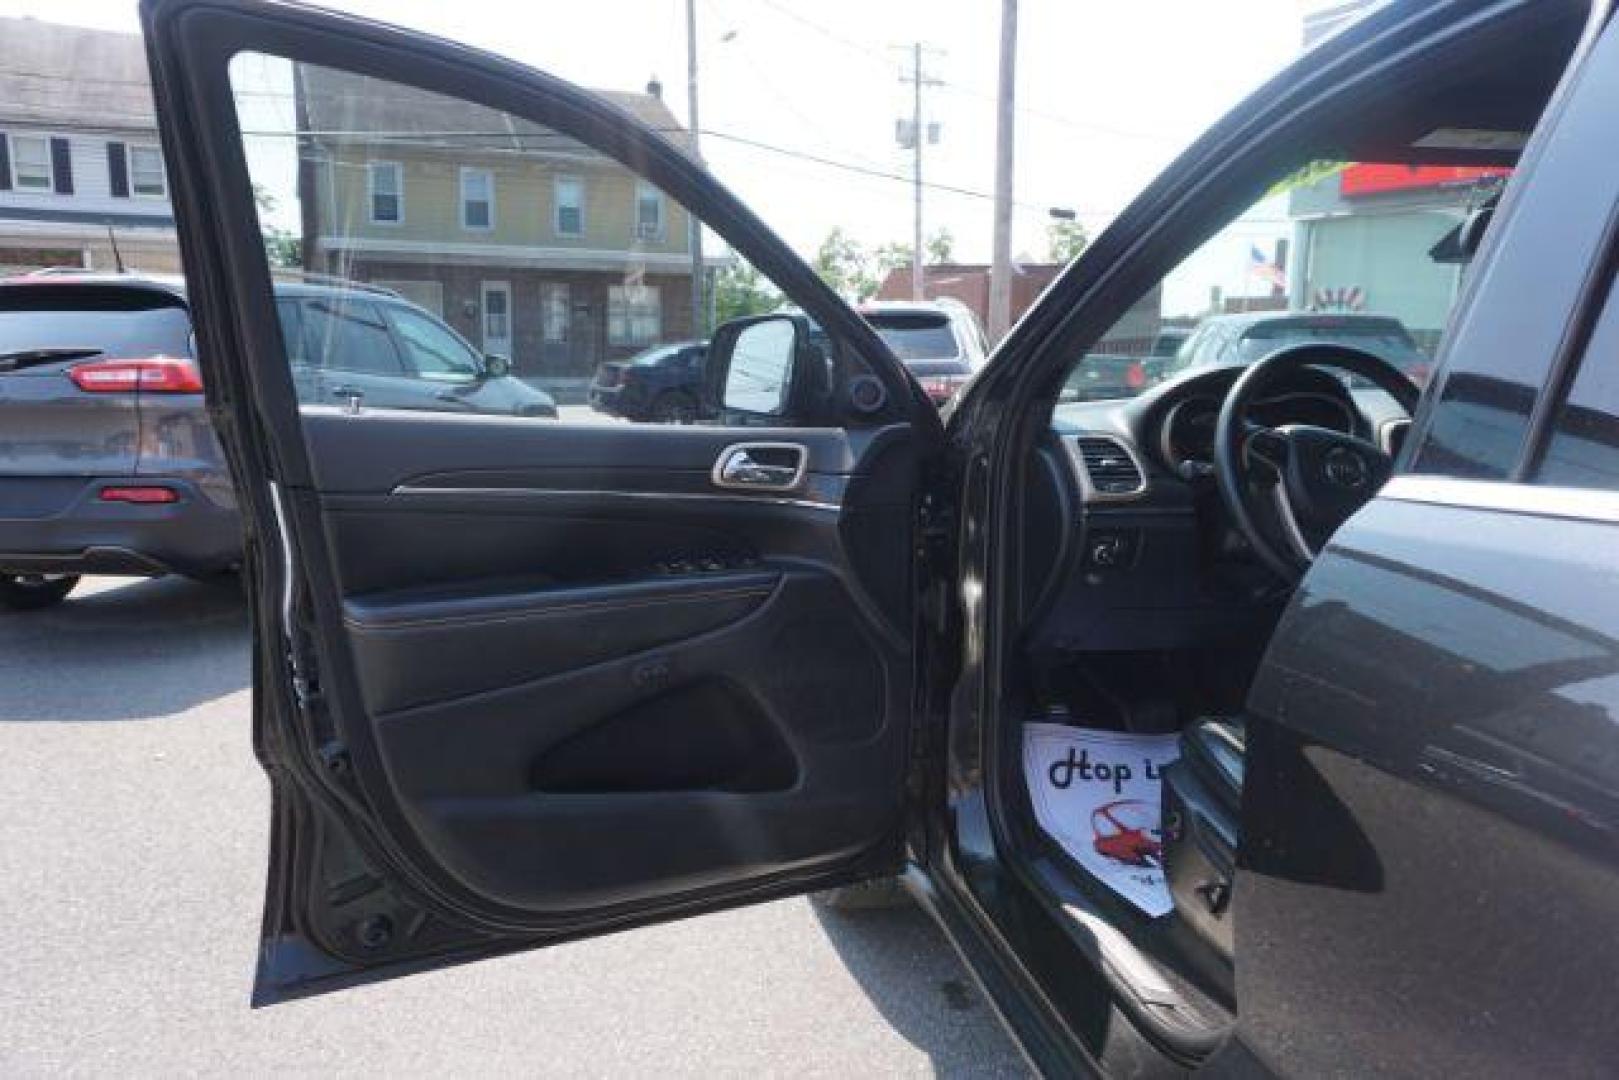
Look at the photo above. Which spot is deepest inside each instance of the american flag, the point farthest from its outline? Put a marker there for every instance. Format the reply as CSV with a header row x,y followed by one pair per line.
x,y
1262,267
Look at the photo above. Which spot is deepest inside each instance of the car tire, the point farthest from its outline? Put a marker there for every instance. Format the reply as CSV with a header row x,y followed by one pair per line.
x,y
673,407
862,896
31,592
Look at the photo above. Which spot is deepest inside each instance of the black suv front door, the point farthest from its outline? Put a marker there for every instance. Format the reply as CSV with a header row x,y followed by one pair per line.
x,y
521,680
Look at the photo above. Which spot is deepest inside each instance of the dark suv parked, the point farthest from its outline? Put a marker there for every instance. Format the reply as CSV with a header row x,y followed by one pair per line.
x,y
108,463
664,384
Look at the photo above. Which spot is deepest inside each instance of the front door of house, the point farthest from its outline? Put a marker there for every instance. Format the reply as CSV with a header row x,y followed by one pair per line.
x,y
497,318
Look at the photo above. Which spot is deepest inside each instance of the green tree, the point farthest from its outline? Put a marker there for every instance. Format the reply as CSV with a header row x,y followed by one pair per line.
x,y
940,248
1065,240
892,256
844,264
740,290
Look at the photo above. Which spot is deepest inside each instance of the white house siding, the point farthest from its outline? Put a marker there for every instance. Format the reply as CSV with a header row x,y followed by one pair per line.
x,y
92,183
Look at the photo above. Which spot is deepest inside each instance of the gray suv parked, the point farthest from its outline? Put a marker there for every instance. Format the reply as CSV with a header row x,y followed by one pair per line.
x,y
109,464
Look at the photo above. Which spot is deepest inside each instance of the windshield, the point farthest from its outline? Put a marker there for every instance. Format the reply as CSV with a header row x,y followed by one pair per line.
x,y
916,336
1358,253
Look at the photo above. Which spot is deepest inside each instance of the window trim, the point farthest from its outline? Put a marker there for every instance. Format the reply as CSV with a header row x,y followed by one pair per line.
x,y
556,206
371,169
642,190
631,340
43,137
1505,496
468,171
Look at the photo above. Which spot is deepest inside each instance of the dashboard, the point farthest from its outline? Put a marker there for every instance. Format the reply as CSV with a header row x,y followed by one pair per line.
x,y
1126,524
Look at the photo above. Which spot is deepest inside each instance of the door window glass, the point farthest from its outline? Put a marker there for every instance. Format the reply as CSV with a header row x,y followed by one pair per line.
x,y
431,348
477,256
349,335
497,320
1583,448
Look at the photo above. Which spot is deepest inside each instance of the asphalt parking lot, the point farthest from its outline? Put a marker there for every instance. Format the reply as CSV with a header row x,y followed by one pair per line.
x,y
132,832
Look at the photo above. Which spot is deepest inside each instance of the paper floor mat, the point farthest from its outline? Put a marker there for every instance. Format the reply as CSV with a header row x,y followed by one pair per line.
x,y
1097,793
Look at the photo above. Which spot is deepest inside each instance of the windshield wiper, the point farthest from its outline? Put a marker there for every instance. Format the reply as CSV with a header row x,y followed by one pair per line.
x,y
21,358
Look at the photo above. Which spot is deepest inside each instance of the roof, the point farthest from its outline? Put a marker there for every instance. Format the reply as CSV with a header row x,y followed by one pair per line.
x,y
341,105
51,73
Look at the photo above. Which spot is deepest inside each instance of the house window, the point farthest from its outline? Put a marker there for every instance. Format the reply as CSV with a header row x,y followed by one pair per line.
x,y
648,212
570,206
387,190
477,199
634,314
31,163
554,311
146,179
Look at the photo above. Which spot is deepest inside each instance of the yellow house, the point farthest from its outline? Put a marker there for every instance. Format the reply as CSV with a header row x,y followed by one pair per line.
x,y
530,244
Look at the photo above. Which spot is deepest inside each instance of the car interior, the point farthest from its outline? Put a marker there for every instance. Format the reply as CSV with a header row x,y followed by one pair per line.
x,y
1143,603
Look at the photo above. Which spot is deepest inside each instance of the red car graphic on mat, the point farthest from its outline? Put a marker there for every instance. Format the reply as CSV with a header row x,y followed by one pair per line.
x,y
1127,831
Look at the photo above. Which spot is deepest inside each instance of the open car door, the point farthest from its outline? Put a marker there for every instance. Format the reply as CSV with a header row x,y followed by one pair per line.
x,y
520,679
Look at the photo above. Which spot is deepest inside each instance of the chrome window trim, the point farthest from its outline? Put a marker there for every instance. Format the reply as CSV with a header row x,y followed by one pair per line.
x,y
537,493
1585,504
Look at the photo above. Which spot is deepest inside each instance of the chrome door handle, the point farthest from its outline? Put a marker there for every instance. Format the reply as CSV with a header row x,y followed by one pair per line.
x,y
761,466
352,397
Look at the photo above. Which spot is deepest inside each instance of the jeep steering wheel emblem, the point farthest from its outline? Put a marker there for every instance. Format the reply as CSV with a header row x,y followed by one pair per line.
x,y
1345,468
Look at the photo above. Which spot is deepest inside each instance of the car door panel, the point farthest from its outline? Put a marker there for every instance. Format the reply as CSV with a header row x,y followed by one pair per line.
x,y
524,680
1429,751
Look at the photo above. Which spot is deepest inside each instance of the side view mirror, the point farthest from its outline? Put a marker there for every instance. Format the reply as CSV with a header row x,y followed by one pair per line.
x,y
764,369
496,366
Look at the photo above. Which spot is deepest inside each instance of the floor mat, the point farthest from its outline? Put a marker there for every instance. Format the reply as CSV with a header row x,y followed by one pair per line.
x,y
1097,794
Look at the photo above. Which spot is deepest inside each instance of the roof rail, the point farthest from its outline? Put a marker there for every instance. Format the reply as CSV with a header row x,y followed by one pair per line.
x,y
67,271
313,277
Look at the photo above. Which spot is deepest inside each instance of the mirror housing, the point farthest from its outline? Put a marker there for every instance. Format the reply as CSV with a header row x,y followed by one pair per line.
x,y
496,366
766,370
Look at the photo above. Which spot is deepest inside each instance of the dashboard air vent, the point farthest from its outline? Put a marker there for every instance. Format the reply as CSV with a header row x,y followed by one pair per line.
x,y
1109,465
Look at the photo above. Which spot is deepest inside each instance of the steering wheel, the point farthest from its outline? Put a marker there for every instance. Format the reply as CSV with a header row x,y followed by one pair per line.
x,y
1306,479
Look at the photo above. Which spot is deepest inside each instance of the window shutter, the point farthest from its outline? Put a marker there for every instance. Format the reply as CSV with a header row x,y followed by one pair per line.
x,y
118,169
5,163
61,167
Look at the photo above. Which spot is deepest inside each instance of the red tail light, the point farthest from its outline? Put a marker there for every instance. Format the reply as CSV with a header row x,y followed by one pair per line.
x,y
941,388
158,375
1135,376
144,494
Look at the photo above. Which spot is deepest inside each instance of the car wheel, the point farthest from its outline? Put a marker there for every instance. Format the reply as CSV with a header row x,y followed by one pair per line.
x,y
30,592
674,408
862,896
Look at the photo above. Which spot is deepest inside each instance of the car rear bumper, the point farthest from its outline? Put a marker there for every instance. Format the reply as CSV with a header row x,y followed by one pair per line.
x,y
86,535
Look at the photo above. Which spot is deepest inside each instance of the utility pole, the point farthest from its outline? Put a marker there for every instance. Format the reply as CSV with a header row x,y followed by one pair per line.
x,y
913,141
694,228
1000,274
